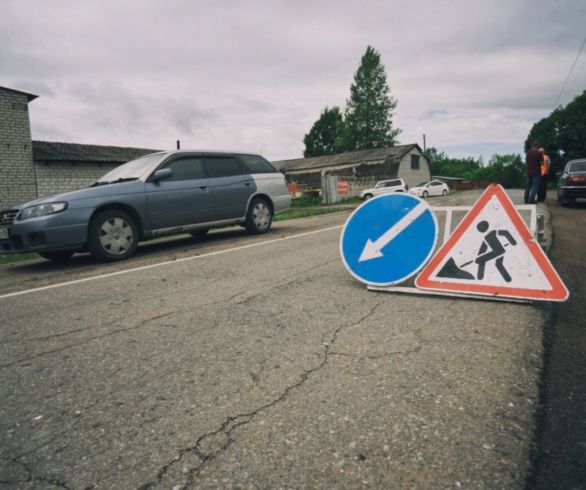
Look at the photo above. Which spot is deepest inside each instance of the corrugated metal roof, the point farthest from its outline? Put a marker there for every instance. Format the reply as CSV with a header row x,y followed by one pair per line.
x,y
49,151
366,157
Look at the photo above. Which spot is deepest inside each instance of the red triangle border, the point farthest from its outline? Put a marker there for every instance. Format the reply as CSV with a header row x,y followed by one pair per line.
x,y
559,292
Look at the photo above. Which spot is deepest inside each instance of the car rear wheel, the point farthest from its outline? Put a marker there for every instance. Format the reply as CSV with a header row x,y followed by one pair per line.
x,y
367,197
425,194
444,193
113,235
259,217
59,256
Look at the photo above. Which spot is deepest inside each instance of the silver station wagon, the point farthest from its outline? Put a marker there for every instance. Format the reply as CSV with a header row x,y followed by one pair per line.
x,y
159,194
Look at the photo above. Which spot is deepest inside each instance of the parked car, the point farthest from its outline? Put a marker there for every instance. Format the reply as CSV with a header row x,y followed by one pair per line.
x,y
384,187
431,188
159,194
572,182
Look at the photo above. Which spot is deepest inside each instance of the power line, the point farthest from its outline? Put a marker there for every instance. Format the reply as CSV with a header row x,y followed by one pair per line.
x,y
569,73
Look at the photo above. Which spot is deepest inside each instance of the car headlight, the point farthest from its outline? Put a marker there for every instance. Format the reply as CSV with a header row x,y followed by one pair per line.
x,y
42,210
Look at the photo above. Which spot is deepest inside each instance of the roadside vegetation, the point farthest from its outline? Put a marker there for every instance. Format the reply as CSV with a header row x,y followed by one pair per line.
x,y
507,170
305,212
9,259
314,201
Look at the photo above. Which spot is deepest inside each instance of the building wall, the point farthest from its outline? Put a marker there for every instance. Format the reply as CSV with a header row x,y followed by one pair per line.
x,y
17,178
56,177
410,176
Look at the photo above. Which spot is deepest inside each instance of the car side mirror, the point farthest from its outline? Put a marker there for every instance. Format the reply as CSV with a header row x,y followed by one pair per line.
x,y
162,174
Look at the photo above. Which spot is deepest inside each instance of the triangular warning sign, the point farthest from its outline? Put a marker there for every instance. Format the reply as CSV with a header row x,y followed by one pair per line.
x,y
492,253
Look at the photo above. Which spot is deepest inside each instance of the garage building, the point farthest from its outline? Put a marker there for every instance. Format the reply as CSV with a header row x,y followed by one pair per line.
x,y
404,161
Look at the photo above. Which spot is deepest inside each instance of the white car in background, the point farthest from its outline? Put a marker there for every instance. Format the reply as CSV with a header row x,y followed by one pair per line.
x,y
431,188
384,187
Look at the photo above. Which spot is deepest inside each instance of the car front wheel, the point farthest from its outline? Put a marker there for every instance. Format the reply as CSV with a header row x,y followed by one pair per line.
x,y
367,197
259,217
113,235
425,194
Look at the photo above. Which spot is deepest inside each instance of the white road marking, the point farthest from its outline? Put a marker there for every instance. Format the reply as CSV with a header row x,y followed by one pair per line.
x,y
168,262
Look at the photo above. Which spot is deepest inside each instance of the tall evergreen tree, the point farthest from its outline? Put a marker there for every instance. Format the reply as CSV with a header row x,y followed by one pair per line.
x,y
323,134
368,115
562,132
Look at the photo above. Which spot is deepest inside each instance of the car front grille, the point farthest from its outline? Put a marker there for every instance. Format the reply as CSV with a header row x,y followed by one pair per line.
x,y
8,216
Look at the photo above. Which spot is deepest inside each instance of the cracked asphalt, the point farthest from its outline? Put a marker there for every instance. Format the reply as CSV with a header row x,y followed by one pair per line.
x,y
263,367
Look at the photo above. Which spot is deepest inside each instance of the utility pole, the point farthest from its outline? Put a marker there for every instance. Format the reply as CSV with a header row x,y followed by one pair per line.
x,y
424,147
178,144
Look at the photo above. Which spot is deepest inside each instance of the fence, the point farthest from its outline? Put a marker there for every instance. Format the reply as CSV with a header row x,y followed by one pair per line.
x,y
337,187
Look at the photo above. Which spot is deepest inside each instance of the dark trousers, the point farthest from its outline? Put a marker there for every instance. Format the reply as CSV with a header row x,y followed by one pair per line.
x,y
542,192
531,188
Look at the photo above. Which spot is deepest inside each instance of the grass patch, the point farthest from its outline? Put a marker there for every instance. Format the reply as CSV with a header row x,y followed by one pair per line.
x,y
9,259
305,202
313,201
294,213
350,200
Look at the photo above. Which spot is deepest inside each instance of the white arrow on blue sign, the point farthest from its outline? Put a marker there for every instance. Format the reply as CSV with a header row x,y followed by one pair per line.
x,y
388,239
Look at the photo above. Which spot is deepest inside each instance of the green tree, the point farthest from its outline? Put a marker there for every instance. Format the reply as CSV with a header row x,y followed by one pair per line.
x,y
435,159
368,114
442,165
562,132
507,170
324,133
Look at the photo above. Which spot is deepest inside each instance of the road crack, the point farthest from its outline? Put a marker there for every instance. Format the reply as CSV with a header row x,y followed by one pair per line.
x,y
30,479
231,423
142,324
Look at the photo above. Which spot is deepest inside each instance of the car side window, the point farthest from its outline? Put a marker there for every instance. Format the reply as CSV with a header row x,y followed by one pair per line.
x,y
257,164
222,167
188,168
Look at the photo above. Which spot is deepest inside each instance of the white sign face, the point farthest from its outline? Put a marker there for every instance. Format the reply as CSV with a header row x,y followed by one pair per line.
x,y
492,252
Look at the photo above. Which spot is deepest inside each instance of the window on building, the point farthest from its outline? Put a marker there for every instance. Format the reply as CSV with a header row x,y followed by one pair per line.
x,y
186,169
223,167
415,162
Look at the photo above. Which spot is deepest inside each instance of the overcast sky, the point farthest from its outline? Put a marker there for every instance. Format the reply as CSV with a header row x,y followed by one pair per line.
x,y
254,75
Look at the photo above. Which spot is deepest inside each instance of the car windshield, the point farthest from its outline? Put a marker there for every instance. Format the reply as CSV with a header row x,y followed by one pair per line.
x,y
134,169
578,167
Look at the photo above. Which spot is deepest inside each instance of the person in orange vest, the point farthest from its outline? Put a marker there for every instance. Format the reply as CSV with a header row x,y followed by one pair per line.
x,y
545,164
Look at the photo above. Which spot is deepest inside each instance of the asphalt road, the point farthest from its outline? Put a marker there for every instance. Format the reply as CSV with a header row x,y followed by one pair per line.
x,y
561,455
258,363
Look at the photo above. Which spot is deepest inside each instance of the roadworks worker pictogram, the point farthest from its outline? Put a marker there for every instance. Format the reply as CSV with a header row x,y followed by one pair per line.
x,y
491,249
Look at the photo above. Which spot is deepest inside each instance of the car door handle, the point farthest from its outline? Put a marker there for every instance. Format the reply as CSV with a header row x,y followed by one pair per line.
x,y
247,183
203,187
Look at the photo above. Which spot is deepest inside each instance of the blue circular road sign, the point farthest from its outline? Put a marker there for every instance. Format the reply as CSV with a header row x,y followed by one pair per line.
x,y
388,239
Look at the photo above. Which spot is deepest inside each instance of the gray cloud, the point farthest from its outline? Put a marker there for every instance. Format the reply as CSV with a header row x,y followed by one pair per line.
x,y
255,74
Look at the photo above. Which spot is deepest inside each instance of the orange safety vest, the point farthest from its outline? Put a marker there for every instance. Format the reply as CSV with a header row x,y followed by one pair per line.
x,y
545,165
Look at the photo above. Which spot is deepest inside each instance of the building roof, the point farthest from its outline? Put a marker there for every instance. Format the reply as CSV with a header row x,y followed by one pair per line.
x,y
28,96
351,158
49,151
